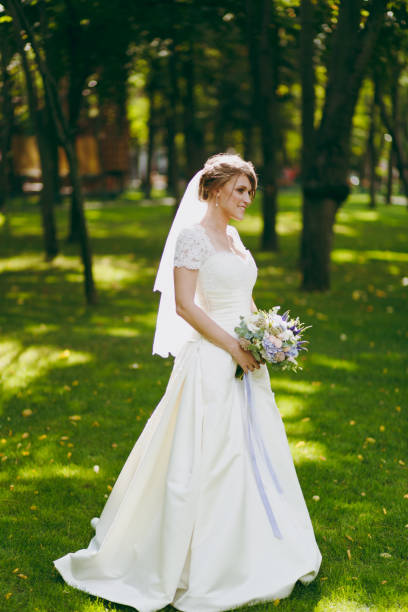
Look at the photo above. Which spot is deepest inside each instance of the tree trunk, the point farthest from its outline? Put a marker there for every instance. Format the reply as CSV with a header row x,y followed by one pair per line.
x,y
172,162
249,138
307,78
390,175
372,156
74,231
62,129
400,158
172,157
319,214
47,196
36,114
78,202
263,56
325,174
193,136
395,111
8,123
152,127
76,83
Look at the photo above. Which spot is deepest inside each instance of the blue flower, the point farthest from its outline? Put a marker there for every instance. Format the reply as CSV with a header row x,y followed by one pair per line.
x,y
270,349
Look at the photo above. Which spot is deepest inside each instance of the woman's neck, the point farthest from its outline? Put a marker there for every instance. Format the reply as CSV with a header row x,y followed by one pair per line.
x,y
215,221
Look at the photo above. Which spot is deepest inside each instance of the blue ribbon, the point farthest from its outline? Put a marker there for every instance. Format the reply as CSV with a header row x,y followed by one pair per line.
x,y
254,436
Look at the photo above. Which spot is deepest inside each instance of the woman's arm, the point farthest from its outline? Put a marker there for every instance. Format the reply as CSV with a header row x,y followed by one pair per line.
x,y
253,306
185,282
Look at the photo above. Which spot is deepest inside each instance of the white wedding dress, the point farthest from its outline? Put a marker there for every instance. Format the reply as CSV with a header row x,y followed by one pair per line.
x,y
185,523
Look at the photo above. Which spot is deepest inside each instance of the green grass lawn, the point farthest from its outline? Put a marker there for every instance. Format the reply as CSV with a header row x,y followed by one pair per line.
x,y
78,385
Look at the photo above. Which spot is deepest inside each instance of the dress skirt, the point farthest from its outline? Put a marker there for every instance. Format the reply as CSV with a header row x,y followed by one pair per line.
x,y
185,523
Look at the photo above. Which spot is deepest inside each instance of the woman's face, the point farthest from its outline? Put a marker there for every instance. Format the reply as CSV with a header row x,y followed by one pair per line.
x,y
235,196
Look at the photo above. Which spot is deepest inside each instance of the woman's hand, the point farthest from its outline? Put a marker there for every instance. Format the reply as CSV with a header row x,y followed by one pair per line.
x,y
244,358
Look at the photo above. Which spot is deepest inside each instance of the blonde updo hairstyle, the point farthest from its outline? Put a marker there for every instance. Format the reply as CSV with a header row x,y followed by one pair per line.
x,y
219,169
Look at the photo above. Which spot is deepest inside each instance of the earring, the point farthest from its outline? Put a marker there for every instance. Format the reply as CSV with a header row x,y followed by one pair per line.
x,y
216,201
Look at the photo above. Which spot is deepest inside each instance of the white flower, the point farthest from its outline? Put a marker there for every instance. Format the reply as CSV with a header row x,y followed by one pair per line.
x,y
285,335
252,327
343,337
96,469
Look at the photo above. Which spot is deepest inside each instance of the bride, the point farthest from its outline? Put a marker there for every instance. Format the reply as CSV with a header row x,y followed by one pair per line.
x,y
204,516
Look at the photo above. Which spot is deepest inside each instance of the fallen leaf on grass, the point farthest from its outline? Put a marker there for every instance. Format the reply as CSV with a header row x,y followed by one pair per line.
x,y
300,443
22,576
349,554
75,417
352,423
382,427
27,412
15,570
385,555
383,581
33,507
305,419
384,510
42,437
65,354
406,496
349,538
8,595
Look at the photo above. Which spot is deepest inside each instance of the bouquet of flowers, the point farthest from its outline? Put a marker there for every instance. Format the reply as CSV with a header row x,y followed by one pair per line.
x,y
272,337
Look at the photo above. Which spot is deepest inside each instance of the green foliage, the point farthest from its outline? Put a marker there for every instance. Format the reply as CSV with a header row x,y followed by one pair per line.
x,y
79,384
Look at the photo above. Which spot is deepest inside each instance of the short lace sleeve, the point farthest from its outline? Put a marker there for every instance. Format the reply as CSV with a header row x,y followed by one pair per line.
x,y
191,249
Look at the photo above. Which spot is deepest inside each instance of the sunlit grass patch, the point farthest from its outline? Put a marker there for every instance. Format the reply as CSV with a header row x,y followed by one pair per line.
x,y
22,365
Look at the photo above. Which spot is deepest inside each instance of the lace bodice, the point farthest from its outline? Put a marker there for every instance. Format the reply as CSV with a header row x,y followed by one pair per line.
x,y
194,246
225,277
